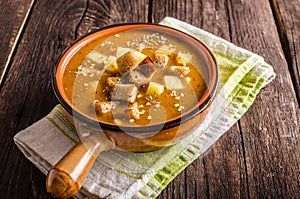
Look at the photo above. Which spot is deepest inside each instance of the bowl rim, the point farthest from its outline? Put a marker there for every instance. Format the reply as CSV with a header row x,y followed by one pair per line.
x,y
201,105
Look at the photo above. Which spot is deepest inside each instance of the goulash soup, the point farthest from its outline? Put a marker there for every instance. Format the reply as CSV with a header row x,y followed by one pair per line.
x,y
136,77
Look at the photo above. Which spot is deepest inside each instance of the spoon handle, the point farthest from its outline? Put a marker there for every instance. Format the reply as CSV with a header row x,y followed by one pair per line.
x,y
66,177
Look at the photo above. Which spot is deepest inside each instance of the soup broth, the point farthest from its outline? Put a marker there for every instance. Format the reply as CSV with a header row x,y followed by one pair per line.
x,y
136,77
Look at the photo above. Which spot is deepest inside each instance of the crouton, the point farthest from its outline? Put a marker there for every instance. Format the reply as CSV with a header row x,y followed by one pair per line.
x,y
124,92
184,70
104,107
146,67
160,59
112,81
127,112
134,111
142,74
138,78
129,61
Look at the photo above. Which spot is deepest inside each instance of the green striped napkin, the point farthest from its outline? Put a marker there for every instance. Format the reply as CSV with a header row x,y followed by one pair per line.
x,y
118,174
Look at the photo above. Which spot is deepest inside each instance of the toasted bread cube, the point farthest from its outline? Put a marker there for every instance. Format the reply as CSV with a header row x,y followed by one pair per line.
x,y
155,89
103,107
129,61
112,81
146,67
138,78
142,74
184,70
161,59
172,82
126,112
124,92
134,111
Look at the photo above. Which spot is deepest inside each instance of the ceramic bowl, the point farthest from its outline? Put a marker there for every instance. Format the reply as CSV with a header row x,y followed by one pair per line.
x,y
132,138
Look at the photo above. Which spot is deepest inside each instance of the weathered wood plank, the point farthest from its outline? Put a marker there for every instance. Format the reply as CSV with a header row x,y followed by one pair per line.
x,y
270,136
13,16
104,12
26,95
287,14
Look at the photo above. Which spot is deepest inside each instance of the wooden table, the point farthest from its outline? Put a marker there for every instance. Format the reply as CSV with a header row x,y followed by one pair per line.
x,y
259,157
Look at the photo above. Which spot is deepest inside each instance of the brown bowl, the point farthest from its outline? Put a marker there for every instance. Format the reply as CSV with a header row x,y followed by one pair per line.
x,y
126,137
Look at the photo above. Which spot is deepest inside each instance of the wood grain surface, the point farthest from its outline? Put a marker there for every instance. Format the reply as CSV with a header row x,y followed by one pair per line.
x,y
287,16
15,15
257,158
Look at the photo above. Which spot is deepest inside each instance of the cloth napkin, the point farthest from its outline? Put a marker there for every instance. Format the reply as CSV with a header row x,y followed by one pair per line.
x,y
118,174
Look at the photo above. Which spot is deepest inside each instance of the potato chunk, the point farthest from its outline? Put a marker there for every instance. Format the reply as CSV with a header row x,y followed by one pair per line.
x,y
155,89
165,50
183,58
121,51
172,82
112,67
97,57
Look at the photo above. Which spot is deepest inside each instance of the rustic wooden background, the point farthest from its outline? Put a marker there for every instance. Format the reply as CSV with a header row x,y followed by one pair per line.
x,y
259,157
